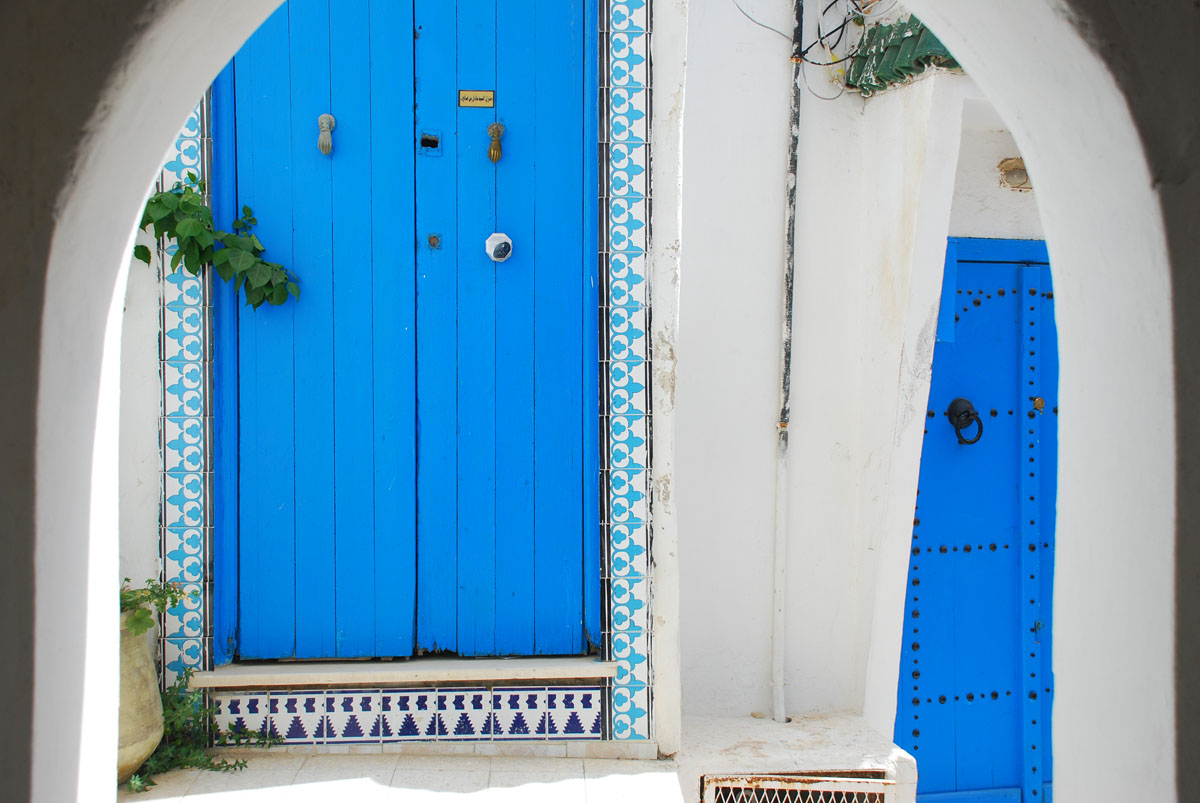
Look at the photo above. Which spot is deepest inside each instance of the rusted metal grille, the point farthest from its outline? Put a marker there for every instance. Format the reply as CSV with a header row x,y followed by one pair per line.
x,y
795,789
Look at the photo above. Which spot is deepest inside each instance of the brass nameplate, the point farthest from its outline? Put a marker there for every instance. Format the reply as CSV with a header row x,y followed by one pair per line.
x,y
481,98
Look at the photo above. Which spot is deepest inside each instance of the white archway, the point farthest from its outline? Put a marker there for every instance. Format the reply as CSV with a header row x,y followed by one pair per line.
x,y
1113,608
1114,614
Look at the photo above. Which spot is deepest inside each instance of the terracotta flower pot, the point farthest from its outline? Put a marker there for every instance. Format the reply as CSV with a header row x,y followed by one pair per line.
x,y
141,724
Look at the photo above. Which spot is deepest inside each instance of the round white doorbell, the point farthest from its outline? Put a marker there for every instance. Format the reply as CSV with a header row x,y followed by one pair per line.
x,y
499,247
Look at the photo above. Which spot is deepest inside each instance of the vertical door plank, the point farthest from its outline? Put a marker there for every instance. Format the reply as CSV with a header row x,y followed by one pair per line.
x,y
437,314
354,550
558,288
591,327
225,384
476,337
314,335
394,325
1048,509
516,78
267,561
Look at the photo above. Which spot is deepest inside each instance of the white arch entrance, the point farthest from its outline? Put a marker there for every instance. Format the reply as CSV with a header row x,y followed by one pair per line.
x,y
1113,651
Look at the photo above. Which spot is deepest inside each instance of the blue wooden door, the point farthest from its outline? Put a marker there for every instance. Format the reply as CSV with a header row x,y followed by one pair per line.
x,y
416,436
976,689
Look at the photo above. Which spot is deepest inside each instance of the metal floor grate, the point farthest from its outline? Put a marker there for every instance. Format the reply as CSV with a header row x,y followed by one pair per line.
x,y
795,789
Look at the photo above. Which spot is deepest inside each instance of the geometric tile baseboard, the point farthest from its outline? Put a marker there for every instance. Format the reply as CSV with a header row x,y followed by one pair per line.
x,y
388,716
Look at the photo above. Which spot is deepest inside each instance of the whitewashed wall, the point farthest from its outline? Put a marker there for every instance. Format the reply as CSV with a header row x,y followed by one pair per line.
x,y
138,477
882,184
982,206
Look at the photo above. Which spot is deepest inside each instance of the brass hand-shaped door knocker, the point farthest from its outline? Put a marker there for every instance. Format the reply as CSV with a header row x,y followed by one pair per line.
x,y
496,132
325,125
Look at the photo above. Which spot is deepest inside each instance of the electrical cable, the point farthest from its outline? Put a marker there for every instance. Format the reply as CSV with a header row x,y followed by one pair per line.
x,y
862,38
746,14
813,92
855,11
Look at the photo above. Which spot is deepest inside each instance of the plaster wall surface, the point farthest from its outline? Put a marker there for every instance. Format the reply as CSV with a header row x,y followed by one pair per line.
x,y
983,207
139,472
877,180
727,386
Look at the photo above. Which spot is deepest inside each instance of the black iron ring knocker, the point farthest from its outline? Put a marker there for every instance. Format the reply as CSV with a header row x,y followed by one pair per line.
x,y
962,415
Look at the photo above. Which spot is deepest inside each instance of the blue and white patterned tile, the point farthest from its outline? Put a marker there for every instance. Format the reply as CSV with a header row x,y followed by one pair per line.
x,y
297,716
628,178
628,395
185,562
242,713
184,443
627,285
629,503
630,651
186,620
574,712
187,152
184,437
628,15
628,401
182,653
349,717
628,110
516,712
630,711
466,713
182,299
628,608
184,389
408,714
627,555
627,334
184,494
627,225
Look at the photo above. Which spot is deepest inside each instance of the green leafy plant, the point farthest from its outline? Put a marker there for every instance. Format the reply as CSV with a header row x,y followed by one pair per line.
x,y
180,214
156,595
188,724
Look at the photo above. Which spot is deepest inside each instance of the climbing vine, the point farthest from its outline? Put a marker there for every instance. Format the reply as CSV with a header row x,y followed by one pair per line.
x,y
180,214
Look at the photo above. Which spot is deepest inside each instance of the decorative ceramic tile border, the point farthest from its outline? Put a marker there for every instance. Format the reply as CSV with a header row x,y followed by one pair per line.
x,y
184,429
385,716
625,106
186,432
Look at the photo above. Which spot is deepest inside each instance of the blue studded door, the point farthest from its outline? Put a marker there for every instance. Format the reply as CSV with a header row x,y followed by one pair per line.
x,y
976,690
404,452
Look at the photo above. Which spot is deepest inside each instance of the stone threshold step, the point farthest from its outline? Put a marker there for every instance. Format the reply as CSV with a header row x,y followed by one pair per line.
x,y
342,674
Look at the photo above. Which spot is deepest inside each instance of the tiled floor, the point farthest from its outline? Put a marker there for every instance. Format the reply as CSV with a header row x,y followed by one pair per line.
x,y
354,778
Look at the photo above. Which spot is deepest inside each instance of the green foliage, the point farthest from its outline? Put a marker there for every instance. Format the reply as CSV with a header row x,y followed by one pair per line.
x,y
180,214
159,596
187,726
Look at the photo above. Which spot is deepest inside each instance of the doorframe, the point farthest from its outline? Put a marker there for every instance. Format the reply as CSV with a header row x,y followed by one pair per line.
x,y
197,634
222,175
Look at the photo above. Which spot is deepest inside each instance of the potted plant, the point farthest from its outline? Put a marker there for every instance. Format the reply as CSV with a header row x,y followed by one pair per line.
x,y
141,713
